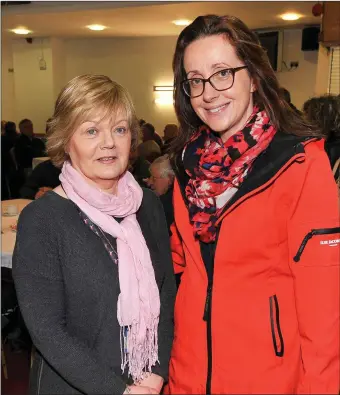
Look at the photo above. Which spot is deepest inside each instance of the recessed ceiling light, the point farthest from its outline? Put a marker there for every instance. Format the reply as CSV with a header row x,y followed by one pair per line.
x,y
182,22
21,30
290,16
96,27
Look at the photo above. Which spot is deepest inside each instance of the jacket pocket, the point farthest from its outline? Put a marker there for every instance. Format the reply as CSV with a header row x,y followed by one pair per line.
x,y
275,326
317,232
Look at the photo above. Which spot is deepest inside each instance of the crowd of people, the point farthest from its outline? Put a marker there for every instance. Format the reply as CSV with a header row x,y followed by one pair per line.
x,y
243,218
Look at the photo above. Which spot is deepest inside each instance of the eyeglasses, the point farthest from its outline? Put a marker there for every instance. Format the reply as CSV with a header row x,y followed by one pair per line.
x,y
221,81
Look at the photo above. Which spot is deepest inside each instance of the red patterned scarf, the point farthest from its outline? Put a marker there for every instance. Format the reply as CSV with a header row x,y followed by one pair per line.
x,y
217,169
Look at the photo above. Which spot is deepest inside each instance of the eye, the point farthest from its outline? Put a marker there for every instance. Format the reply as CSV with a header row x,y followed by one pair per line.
x,y
121,130
91,132
224,73
195,82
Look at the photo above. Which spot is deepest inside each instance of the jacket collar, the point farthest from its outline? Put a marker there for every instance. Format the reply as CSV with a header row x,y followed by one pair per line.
x,y
280,151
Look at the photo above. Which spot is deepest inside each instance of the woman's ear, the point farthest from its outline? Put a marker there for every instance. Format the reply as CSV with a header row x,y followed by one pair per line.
x,y
252,86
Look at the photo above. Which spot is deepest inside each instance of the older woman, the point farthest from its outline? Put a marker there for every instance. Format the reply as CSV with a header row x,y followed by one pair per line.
x,y
92,264
257,210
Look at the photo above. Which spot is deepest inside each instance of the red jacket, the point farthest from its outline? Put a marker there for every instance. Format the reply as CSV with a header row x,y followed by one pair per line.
x,y
263,315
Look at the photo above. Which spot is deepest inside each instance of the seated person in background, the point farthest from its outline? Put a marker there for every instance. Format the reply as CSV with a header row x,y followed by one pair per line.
x,y
3,123
324,111
149,150
161,182
9,177
27,146
170,133
44,177
139,167
10,133
149,133
286,95
92,264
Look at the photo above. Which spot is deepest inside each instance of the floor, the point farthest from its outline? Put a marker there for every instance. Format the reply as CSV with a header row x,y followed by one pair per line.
x,y
18,372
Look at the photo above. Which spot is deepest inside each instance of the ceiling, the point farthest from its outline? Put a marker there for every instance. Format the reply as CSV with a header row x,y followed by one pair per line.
x,y
139,18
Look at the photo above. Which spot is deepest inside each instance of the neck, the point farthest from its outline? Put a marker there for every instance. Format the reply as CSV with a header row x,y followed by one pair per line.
x,y
112,189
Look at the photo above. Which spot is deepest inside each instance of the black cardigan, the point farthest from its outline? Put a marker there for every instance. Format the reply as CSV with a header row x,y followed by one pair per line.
x,y
68,287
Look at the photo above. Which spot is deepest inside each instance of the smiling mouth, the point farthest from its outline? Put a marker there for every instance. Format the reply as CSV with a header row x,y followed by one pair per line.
x,y
107,159
218,109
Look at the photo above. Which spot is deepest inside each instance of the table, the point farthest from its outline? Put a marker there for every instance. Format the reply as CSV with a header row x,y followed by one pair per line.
x,y
38,160
7,235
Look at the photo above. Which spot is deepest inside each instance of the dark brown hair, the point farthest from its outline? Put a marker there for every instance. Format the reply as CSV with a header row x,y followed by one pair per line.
x,y
248,48
324,111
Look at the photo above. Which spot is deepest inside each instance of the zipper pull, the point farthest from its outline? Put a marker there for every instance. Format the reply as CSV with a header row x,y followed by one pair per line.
x,y
303,245
207,304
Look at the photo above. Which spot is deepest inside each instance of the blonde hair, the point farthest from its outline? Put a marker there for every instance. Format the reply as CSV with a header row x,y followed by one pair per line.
x,y
83,98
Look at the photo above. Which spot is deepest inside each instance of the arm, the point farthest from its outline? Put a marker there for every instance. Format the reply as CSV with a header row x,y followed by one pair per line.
x,y
167,292
316,276
39,285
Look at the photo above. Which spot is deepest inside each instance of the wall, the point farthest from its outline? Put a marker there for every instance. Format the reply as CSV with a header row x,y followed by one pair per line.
x,y
33,87
58,65
7,82
322,72
301,81
136,63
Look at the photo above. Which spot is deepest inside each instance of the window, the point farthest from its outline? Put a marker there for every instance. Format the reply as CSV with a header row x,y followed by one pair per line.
x,y
334,79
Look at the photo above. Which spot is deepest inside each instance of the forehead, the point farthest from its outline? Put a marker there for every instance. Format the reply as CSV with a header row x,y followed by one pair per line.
x,y
106,116
207,52
154,169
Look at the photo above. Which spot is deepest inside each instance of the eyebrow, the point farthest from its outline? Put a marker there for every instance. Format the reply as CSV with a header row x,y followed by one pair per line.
x,y
213,67
98,122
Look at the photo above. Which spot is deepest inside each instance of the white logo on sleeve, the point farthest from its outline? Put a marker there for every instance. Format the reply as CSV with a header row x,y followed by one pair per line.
x,y
331,243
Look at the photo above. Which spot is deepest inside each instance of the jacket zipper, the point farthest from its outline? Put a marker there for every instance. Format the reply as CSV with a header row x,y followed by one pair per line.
x,y
207,318
309,235
275,325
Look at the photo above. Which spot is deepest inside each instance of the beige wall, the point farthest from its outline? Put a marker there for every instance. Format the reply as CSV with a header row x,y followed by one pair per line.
x,y
7,82
322,72
301,81
33,87
58,65
136,63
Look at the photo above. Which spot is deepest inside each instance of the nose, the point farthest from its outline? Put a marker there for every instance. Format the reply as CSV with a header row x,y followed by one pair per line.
x,y
108,141
210,93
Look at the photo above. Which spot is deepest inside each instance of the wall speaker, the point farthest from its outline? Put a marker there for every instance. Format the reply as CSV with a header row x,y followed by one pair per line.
x,y
310,39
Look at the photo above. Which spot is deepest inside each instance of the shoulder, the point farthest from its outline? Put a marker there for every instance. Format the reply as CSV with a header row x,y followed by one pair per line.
x,y
49,209
316,156
150,198
151,208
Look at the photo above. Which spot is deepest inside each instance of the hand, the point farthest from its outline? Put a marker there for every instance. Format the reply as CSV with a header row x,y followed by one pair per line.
x,y
139,389
153,381
42,191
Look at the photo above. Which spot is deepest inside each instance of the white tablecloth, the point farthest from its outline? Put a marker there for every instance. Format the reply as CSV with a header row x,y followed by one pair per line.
x,y
7,235
36,161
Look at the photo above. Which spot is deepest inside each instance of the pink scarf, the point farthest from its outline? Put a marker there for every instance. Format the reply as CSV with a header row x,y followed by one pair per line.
x,y
138,306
